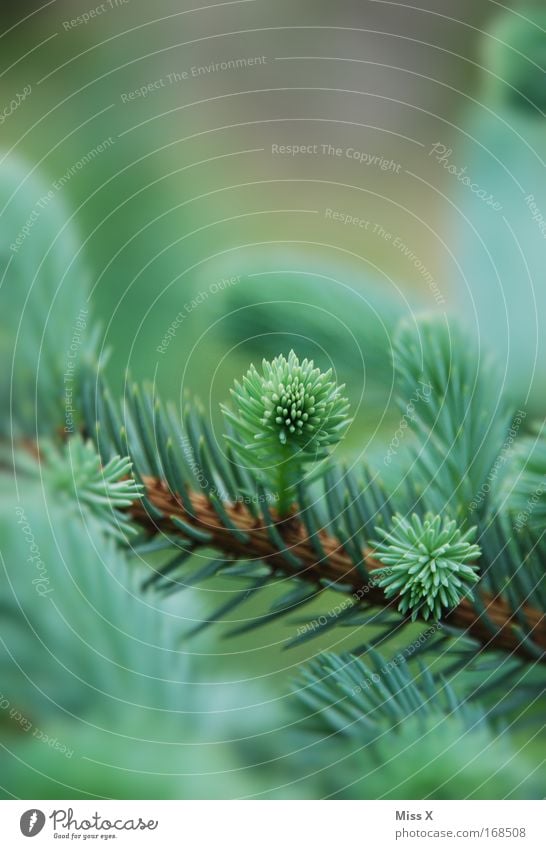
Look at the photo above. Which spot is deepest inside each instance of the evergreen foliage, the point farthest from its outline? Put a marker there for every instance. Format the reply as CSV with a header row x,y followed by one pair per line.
x,y
170,505
196,492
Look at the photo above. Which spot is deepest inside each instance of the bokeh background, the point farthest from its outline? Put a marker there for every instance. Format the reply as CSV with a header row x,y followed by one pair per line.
x,y
228,181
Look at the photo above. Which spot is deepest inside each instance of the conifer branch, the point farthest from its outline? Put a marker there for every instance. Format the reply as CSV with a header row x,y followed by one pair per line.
x,y
500,632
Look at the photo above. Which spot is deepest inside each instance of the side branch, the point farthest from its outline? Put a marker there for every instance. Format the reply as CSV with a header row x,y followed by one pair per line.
x,y
497,628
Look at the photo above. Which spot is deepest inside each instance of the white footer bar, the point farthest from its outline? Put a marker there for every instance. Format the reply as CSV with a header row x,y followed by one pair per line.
x,y
274,824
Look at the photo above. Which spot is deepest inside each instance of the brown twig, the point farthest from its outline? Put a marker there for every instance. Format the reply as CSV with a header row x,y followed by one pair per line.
x,y
496,629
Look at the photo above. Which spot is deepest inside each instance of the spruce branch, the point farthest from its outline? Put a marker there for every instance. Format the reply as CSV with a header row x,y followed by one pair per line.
x,y
383,713
337,567
255,508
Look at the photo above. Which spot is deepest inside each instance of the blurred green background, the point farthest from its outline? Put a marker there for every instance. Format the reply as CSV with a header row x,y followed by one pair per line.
x,y
298,195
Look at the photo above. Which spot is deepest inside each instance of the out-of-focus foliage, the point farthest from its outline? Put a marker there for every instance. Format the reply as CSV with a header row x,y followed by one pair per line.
x,y
99,695
390,724
102,691
46,338
500,278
